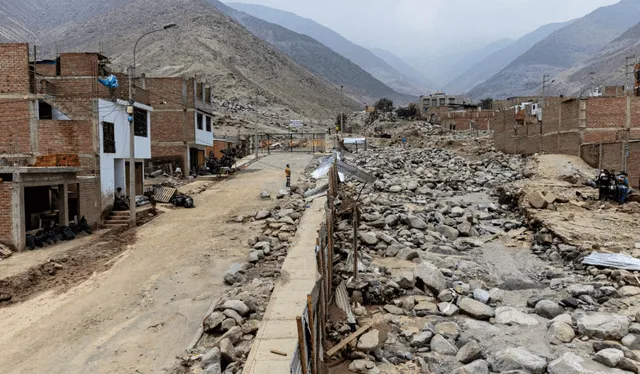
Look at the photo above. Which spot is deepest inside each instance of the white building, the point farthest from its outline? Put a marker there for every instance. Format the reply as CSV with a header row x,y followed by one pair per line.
x,y
114,146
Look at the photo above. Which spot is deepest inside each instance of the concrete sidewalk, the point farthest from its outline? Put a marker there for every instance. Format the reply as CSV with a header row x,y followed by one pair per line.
x,y
278,329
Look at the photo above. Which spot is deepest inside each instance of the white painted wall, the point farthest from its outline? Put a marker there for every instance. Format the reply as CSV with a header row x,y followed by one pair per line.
x,y
203,137
112,165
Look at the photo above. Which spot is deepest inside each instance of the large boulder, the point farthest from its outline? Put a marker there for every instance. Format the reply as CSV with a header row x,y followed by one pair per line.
x,y
512,316
476,367
516,359
537,200
469,352
604,326
440,345
236,305
448,232
213,321
235,274
475,309
368,238
560,332
363,367
430,276
212,357
416,223
609,357
369,341
570,363
548,309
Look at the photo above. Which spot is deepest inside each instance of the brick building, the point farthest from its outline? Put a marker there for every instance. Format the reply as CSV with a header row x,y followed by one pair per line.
x,y
58,107
468,119
182,120
603,131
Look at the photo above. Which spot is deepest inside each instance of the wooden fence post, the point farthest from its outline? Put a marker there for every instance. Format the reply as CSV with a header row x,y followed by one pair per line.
x,y
312,332
355,241
301,344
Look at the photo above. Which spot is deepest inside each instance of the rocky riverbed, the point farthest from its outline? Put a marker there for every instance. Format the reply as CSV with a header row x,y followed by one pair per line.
x,y
456,276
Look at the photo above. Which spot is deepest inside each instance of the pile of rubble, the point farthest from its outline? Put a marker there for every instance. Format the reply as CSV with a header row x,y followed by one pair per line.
x,y
5,252
231,326
440,289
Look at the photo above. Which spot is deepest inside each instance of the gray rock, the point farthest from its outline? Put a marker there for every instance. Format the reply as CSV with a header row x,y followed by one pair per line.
x,y
449,330
227,351
425,307
560,332
475,309
233,315
631,341
421,339
385,238
610,357
627,291
476,367
481,295
236,305
368,238
566,318
369,341
448,232
465,228
548,309
263,214
406,280
395,189
213,369
265,195
287,220
446,295
604,326
512,316
391,220
282,193
517,358
392,309
363,367
456,211
213,321
210,358
416,223
577,290
447,309
234,334
537,200
570,363
431,276
469,352
227,324
442,346
234,274
255,256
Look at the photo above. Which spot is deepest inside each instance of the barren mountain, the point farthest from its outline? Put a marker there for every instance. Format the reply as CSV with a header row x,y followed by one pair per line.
x,y
360,56
605,68
207,44
491,65
561,50
403,67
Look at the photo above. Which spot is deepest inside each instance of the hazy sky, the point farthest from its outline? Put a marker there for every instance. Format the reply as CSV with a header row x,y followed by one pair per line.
x,y
393,24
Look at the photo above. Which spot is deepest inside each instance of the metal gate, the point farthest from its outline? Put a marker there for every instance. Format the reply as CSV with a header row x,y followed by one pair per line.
x,y
292,142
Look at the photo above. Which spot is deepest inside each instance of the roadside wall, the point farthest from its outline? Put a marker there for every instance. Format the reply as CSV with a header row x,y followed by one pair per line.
x,y
6,212
603,131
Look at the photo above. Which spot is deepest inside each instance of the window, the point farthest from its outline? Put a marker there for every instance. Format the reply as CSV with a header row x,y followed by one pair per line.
x,y
207,95
108,137
199,91
45,111
199,121
208,124
140,122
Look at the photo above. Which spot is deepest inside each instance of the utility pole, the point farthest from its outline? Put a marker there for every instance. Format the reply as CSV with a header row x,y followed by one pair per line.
x,y
341,109
132,140
626,68
544,84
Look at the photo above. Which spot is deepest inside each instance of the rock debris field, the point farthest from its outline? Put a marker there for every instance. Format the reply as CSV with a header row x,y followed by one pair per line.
x,y
453,278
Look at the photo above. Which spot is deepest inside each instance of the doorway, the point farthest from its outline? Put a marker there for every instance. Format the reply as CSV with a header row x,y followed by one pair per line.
x,y
139,178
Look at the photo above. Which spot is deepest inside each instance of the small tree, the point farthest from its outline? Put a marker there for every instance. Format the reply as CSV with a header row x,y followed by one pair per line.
x,y
409,112
384,105
344,120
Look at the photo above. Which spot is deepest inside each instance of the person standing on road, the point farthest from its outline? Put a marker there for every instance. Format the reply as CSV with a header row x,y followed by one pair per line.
x,y
623,187
287,173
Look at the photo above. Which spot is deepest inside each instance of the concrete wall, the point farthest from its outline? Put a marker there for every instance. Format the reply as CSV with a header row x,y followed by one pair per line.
x,y
6,213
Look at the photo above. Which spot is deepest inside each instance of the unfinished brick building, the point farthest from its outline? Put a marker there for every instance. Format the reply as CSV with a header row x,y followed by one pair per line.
x,y
603,131
182,122
58,107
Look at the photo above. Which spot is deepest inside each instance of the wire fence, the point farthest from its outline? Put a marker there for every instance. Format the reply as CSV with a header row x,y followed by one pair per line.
x,y
292,142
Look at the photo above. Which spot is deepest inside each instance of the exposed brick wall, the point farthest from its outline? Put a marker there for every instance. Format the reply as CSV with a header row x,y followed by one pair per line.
x,y
570,115
599,136
14,137
633,164
550,143
612,156
165,93
551,118
6,230
167,126
607,112
590,153
569,143
14,68
46,70
90,200
65,137
78,64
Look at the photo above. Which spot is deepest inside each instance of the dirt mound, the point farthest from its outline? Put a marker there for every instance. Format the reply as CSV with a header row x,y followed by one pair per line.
x,y
62,272
562,167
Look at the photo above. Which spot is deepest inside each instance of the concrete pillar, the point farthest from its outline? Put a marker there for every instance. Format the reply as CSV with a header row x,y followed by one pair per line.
x,y
17,217
63,204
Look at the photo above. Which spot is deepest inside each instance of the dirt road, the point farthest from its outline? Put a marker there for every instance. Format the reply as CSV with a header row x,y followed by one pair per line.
x,y
143,311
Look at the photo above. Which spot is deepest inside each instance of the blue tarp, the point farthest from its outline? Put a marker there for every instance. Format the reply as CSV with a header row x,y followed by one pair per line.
x,y
111,81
